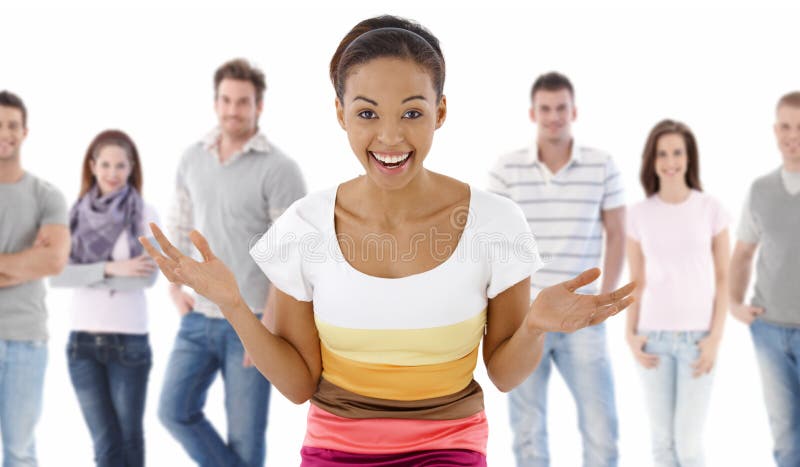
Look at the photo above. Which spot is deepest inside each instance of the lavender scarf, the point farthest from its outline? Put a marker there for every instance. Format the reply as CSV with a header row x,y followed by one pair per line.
x,y
97,221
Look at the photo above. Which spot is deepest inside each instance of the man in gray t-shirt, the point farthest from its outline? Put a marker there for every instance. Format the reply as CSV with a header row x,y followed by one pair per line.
x,y
34,243
771,224
230,186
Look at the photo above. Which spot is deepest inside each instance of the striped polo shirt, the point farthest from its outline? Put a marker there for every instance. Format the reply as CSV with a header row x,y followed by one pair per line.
x,y
563,209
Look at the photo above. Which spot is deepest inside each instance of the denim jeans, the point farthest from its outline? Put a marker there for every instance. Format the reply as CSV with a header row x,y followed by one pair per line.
x,y
203,347
778,355
22,368
582,359
109,373
677,402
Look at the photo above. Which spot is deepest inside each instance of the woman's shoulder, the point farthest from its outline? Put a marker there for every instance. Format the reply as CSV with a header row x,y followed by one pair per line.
x,y
313,211
490,210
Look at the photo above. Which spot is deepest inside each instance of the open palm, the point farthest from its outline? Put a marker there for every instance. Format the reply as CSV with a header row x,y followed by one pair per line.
x,y
209,278
560,309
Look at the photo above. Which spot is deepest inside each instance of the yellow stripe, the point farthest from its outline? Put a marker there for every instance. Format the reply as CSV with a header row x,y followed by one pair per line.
x,y
407,347
400,383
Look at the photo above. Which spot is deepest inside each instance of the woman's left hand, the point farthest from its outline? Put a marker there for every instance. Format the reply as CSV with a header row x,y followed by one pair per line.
x,y
708,347
560,309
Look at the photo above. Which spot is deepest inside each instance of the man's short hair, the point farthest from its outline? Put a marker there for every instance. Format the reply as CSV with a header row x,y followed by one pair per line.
x,y
552,81
242,70
9,99
791,99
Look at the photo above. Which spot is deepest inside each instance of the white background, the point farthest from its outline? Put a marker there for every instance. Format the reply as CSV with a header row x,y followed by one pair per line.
x,y
148,70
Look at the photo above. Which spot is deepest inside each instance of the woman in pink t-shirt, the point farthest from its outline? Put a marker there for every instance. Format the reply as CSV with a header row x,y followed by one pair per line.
x,y
678,252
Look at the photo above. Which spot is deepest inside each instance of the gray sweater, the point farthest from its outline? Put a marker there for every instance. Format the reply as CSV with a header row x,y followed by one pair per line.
x,y
776,214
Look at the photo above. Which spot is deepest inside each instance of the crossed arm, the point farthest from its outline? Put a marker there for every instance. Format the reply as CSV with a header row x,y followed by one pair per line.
x,y
44,258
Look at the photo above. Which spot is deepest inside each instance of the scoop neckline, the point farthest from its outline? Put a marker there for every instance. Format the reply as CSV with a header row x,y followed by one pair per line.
x,y
453,254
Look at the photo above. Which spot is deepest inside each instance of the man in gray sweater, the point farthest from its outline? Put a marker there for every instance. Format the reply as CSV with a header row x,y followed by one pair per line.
x,y
771,221
230,186
34,243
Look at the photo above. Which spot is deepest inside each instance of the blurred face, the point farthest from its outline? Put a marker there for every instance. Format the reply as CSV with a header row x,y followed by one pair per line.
x,y
389,110
671,161
111,169
236,108
787,132
12,133
553,112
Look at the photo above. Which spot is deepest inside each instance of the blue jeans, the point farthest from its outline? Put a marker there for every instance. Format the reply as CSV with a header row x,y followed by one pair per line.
x,y
22,367
778,355
582,359
203,347
677,402
109,373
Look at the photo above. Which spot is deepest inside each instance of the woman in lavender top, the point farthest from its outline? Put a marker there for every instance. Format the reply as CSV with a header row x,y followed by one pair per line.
x,y
108,351
678,253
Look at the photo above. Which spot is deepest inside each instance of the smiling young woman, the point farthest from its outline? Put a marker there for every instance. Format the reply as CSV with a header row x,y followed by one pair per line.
x,y
388,284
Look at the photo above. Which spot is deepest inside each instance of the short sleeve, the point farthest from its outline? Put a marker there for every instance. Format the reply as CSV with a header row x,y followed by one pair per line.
x,y
613,189
512,251
632,223
54,207
748,230
280,253
720,218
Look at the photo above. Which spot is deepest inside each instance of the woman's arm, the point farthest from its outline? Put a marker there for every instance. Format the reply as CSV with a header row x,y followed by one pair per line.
x,y
709,346
289,358
511,351
635,341
515,327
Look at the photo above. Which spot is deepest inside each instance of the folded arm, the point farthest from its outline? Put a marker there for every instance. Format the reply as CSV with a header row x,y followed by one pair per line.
x,y
42,259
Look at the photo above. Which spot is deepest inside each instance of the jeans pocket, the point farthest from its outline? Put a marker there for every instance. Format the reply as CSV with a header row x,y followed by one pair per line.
x,y
135,355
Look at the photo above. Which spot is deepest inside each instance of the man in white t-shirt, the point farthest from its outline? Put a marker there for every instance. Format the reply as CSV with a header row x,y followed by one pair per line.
x,y
573,199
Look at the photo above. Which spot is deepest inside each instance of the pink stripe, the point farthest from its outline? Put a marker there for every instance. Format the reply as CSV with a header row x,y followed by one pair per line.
x,y
389,436
315,457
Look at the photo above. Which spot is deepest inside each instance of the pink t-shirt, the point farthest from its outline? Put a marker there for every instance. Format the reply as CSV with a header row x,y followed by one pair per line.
x,y
678,260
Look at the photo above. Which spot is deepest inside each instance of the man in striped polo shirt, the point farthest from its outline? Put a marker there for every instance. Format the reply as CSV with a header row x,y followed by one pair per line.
x,y
571,196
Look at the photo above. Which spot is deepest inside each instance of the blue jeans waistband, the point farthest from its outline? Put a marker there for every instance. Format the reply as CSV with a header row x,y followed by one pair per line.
x,y
106,338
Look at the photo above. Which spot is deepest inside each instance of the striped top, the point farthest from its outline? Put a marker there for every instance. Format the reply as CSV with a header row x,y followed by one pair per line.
x,y
563,209
397,353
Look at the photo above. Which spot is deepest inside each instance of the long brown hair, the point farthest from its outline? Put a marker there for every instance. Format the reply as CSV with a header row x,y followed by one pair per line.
x,y
111,138
648,176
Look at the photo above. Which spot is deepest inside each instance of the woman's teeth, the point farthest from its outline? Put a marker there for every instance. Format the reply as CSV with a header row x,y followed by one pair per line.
x,y
390,160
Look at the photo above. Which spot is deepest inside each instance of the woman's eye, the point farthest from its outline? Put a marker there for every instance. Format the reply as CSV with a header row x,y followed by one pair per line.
x,y
412,114
367,114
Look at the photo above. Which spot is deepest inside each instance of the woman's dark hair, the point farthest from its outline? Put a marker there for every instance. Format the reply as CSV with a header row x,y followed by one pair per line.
x,y
387,36
111,138
648,175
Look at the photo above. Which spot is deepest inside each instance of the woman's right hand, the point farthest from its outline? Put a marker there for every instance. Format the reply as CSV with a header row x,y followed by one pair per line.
x,y
636,343
140,266
210,277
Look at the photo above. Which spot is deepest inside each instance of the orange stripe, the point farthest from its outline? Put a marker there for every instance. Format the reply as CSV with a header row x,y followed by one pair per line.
x,y
385,436
401,383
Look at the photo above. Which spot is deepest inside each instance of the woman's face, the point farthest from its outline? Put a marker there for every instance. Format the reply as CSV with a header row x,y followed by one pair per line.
x,y
111,168
671,158
390,111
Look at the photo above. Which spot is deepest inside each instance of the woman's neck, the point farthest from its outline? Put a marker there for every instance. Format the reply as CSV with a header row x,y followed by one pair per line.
x,y
674,192
394,207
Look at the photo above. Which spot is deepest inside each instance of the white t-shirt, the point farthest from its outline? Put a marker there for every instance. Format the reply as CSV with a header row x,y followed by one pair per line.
x,y
676,241
301,256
